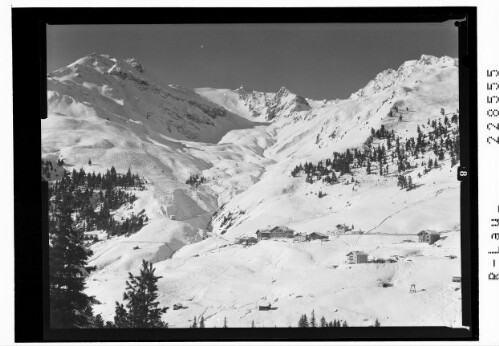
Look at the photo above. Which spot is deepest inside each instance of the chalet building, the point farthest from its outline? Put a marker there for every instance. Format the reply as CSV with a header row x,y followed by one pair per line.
x,y
276,232
428,236
246,240
281,232
355,257
317,235
262,235
300,237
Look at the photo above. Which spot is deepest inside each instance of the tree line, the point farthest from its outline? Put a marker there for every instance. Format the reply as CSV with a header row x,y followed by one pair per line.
x,y
305,322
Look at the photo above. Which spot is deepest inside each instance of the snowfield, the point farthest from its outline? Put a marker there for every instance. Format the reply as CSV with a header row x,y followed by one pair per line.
x,y
246,143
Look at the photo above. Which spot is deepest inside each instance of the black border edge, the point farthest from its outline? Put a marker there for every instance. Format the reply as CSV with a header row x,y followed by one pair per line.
x,y
468,111
28,240
31,315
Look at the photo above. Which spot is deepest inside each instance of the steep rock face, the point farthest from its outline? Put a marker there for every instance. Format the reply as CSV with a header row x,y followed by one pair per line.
x,y
285,103
256,105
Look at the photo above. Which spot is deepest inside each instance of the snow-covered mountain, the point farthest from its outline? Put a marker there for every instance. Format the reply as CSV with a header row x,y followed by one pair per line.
x,y
122,91
256,105
245,144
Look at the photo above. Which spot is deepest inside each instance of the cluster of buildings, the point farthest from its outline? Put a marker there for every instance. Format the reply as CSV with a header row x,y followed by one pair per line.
x,y
280,232
353,257
285,232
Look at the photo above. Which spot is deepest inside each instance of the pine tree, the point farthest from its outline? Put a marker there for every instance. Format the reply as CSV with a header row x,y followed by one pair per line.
x,y
313,323
323,322
252,324
194,323
201,322
120,316
70,307
142,309
99,322
303,322
225,322
377,324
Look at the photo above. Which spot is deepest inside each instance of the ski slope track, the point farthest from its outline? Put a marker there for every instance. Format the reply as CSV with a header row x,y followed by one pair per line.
x,y
245,144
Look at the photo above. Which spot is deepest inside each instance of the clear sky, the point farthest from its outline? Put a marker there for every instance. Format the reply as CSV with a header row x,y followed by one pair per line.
x,y
313,60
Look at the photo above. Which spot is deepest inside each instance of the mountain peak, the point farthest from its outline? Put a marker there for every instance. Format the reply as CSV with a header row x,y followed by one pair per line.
x,y
391,77
284,91
135,64
243,89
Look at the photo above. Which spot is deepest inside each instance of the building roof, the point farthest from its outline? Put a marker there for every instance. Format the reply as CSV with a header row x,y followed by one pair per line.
x,y
429,231
319,234
244,237
300,234
281,228
357,252
264,231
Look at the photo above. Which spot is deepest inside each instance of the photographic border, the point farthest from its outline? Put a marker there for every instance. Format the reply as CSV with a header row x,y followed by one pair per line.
x,y
30,203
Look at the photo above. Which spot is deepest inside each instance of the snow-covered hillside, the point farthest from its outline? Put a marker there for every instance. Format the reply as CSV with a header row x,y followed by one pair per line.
x,y
245,144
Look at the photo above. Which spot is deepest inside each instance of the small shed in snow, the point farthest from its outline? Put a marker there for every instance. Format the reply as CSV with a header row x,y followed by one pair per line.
x,y
317,235
428,236
300,237
355,257
246,240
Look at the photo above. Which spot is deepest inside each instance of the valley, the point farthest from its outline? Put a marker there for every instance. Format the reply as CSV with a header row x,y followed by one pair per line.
x,y
105,112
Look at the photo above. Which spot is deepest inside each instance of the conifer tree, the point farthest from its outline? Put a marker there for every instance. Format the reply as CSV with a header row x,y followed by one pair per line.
x,y
225,322
313,323
409,183
142,310
303,322
99,322
194,323
201,322
120,316
70,307
323,322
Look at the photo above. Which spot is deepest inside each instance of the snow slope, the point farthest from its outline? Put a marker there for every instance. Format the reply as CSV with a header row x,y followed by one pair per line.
x,y
245,143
